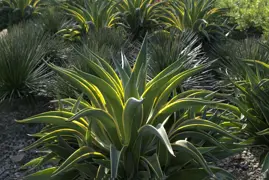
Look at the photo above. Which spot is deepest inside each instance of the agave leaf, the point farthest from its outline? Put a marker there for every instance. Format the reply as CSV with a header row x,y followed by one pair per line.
x,y
107,121
187,147
191,102
92,93
77,104
265,163
53,135
33,162
204,125
123,75
111,96
125,65
65,114
159,132
263,132
81,154
133,87
154,164
56,120
199,135
114,161
132,118
107,72
47,174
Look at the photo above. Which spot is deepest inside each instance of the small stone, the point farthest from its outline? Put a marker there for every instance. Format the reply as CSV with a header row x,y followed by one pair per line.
x,y
221,164
17,158
256,165
237,157
250,173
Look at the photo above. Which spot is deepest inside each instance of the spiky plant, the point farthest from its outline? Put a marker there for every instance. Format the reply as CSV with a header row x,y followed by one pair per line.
x,y
195,15
166,48
246,68
139,16
22,71
123,127
92,16
19,10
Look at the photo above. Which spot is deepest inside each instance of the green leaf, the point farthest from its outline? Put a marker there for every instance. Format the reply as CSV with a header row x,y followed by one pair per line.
x,y
114,161
132,119
154,164
79,155
201,124
265,164
160,132
47,174
56,120
105,119
187,147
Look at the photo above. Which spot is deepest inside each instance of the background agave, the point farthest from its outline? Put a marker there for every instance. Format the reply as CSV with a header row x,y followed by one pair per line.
x,y
14,11
196,15
93,15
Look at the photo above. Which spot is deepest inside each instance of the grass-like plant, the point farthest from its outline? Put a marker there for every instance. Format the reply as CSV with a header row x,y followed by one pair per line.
x,y
123,126
247,70
177,46
22,71
52,19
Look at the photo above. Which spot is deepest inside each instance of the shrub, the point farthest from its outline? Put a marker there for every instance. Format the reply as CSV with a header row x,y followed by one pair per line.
x,y
125,127
22,70
247,14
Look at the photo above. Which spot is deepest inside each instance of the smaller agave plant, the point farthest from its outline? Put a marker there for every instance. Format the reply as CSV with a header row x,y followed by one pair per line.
x,y
20,9
196,15
124,127
92,16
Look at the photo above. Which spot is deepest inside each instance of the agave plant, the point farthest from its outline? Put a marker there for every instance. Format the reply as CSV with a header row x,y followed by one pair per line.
x,y
195,15
139,16
18,10
123,127
92,16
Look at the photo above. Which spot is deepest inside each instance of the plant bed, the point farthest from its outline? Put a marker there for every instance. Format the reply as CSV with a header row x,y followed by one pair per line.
x,y
244,166
14,136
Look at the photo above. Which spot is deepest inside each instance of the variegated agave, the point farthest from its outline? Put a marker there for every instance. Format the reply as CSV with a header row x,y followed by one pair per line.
x,y
124,127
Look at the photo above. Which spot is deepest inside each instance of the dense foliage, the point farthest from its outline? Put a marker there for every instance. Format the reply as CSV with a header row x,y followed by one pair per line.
x,y
145,89
247,15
